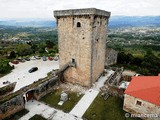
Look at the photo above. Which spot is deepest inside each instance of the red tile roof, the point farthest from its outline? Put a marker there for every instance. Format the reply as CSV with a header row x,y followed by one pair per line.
x,y
146,88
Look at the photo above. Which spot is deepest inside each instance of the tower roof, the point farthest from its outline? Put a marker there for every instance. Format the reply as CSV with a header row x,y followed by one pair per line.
x,y
86,11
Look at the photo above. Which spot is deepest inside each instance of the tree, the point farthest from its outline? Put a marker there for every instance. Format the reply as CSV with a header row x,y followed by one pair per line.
x,y
12,55
124,58
41,48
5,67
24,49
152,63
136,61
49,44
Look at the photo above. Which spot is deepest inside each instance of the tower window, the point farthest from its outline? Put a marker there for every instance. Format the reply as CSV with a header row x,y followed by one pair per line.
x,y
78,24
139,103
73,22
73,60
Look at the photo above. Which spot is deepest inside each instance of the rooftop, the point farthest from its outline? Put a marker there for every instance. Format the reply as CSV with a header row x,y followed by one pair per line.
x,y
146,88
86,11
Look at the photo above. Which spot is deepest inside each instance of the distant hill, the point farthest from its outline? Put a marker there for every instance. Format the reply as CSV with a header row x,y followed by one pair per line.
x,y
28,23
114,22
134,21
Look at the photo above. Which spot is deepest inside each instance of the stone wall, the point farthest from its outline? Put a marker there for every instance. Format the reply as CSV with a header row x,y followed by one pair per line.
x,y
4,91
75,43
45,88
115,78
98,46
82,39
17,103
111,56
12,106
145,108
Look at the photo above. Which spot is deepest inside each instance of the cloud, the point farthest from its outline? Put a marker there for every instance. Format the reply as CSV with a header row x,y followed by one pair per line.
x,y
44,8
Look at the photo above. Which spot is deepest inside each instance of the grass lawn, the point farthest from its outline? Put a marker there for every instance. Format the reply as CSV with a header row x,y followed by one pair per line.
x,y
17,115
111,109
53,99
37,117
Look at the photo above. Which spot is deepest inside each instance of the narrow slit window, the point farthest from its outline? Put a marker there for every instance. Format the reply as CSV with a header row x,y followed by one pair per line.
x,y
78,24
73,60
97,39
139,103
73,22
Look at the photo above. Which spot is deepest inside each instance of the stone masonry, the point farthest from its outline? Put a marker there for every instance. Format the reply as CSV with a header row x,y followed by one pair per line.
x,y
111,56
82,40
148,110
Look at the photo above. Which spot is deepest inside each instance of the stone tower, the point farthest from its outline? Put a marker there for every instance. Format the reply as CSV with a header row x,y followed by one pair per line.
x,y
82,40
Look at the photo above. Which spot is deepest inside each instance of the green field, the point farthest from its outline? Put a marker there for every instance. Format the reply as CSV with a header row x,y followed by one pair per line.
x,y
110,109
54,97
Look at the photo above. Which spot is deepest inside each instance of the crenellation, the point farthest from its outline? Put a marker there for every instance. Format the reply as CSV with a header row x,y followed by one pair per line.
x,y
81,12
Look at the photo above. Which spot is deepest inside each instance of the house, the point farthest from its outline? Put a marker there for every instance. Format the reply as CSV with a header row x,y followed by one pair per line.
x,y
142,97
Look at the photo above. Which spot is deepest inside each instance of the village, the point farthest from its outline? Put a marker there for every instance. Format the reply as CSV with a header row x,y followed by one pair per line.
x,y
67,86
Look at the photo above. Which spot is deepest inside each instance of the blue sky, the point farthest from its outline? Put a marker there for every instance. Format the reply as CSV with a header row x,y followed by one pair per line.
x,y
44,8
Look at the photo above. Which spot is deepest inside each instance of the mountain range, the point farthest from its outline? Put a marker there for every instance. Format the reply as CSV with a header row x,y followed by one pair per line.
x,y
114,22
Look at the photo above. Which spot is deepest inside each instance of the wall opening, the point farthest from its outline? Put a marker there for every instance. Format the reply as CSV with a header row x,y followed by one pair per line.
x,y
97,39
78,24
73,60
139,103
73,22
30,95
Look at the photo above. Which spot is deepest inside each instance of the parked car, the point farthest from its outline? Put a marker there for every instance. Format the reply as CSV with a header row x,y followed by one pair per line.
x,y
22,60
55,58
33,69
6,82
50,58
37,57
27,59
15,61
44,58
33,58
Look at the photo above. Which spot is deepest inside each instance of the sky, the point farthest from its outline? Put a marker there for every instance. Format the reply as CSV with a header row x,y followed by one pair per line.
x,y
44,8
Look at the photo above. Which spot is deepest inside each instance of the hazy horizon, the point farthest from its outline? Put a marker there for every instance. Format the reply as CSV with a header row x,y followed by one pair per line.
x,y
116,16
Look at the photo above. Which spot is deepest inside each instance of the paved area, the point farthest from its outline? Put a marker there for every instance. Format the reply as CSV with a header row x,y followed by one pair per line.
x,y
23,78
84,103
47,112
89,96
97,85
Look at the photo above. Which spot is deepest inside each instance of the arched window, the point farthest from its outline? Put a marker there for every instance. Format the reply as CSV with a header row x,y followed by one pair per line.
x,y
78,24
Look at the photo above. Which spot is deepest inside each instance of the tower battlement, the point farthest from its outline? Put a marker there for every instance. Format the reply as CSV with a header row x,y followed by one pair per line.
x,y
76,12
